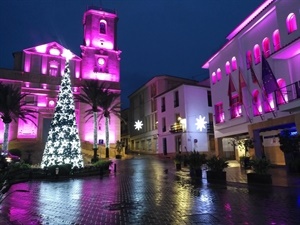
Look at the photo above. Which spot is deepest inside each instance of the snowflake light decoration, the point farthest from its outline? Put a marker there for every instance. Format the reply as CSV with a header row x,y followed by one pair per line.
x,y
200,123
138,125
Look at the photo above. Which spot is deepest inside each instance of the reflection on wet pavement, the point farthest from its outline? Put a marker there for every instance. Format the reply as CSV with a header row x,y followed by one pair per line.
x,y
147,190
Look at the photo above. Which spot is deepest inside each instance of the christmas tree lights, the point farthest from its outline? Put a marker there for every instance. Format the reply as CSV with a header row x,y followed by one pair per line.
x,y
63,143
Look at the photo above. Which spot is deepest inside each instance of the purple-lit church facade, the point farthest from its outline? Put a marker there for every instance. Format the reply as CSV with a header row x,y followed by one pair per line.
x,y
242,109
38,70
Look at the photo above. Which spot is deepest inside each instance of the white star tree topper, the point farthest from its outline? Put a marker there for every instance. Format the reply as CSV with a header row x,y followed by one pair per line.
x,y
200,123
138,125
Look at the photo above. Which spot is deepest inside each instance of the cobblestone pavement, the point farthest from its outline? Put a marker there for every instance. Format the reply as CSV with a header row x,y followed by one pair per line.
x,y
147,190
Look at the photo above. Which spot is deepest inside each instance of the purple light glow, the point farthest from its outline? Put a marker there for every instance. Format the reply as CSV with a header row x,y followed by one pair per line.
x,y
54,51
51,103
41,48
27,130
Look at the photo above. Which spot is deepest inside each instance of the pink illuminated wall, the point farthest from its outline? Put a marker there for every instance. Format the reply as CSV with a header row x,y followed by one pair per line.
x,y
27,130
100,57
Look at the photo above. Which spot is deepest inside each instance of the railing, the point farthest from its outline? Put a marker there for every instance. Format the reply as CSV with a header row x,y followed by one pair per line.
x,y
210,127
176,128
291,92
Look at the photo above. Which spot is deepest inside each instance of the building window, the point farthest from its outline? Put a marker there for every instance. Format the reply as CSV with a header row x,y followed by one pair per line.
x,y
102,27
291,23
163,128
213,78
176,99
266,47
163,104
219,74
281,94
152,95
233,63
53,68
235,109
276,40
219,113
227,68
256,51
209,101
249,59
257,110
269,104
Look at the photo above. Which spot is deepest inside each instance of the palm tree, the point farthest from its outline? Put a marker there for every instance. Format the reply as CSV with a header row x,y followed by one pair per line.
x,y
12,107
92,93
109,104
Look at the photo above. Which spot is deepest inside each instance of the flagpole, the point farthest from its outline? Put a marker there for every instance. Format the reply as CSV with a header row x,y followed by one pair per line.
x,y
261,88
260,114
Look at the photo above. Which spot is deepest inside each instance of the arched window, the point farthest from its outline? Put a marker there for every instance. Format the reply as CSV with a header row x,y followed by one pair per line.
x,y
257,109
269,103
266,47
102,27
276,40
249,59
281,94
213,78
291,23
227,68
219,74
256,51
233,63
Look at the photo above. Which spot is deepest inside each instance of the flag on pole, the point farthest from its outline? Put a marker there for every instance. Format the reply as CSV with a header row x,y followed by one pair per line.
x,y
254,78
242,84
268,78
231,89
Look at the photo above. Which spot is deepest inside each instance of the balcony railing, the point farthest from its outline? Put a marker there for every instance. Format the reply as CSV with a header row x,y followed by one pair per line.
x,y
291,92
176,128
210,127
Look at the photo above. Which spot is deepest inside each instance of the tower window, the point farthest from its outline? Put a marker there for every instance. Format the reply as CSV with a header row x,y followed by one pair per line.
x,y
233,63
256,51
266,47
102,27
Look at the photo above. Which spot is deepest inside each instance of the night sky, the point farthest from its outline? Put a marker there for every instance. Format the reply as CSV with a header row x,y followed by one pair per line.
x,y
174,37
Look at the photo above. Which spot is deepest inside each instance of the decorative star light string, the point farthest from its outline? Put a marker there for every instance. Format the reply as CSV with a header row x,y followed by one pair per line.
x,y
200,123
138,125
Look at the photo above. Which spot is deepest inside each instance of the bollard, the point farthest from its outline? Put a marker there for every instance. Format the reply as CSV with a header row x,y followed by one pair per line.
x,y
115,167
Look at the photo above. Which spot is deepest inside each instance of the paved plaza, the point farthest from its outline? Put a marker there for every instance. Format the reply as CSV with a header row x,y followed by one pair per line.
x,y
148,190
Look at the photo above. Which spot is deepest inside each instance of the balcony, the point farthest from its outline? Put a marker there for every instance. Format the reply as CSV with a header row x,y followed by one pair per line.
x,y
176,128
291,94
210,127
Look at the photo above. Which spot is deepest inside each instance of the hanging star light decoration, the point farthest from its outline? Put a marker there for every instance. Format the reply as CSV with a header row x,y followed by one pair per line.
x,y
200,123
138,125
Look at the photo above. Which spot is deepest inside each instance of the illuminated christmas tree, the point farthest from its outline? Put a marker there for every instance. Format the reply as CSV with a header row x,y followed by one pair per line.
x,y
63,144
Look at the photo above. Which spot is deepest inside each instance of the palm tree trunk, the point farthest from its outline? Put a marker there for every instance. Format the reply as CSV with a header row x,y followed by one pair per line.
x,y
95,146
5,138
107,136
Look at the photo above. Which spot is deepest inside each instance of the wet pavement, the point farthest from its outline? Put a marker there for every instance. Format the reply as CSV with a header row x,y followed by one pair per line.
x,y
147,190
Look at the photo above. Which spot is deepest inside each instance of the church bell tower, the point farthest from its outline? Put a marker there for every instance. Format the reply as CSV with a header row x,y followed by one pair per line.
x,y
100,55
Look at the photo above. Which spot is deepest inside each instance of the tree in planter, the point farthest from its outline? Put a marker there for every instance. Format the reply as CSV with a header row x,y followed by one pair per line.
x,y
110,105
196,161
216,166
92,93
13,107
119,147
178,160
289,145
260,167
247,143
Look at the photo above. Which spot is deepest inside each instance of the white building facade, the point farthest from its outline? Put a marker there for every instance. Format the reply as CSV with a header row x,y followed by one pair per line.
x,y
247,102
184,120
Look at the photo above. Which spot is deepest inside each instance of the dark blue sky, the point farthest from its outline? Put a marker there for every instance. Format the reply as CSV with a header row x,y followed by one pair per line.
x,y
156,37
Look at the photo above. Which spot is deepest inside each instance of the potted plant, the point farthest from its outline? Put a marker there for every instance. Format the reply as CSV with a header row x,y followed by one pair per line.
x,y
215,172
177,161
289,145
119,147
196,160
260,175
